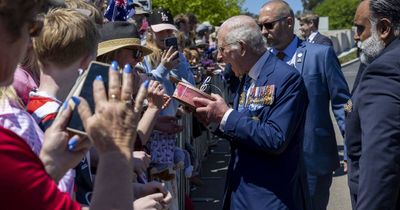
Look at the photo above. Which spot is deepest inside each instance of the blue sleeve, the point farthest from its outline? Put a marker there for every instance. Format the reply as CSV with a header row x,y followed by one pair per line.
x,y
277,126
337,86
158,73
183,70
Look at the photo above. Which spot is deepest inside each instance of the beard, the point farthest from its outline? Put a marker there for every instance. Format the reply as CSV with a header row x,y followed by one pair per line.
x,y
371,47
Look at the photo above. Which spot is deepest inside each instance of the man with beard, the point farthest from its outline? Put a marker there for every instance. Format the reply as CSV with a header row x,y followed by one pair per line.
x,y
363,31
325,85
373,119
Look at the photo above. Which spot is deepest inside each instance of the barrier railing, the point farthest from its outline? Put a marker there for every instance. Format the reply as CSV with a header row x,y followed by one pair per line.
x,y
199,144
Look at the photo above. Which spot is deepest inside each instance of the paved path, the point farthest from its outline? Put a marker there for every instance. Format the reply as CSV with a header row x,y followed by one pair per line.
x,y
210,195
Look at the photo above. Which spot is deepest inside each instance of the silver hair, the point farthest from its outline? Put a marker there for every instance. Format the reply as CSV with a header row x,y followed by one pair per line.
x,y
389,9
247,32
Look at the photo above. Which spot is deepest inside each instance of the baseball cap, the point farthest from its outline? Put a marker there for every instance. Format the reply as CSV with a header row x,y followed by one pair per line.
x,y
161,19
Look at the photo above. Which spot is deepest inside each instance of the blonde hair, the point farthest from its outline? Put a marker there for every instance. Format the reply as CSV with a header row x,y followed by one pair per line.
x,y
155,57
67,35
81,4
9,93
310,18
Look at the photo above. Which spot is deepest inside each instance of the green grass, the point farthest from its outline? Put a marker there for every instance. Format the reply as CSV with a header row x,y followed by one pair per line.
x,y
349,57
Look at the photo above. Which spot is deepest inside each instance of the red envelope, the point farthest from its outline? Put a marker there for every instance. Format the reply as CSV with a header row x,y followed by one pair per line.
x,y
185,93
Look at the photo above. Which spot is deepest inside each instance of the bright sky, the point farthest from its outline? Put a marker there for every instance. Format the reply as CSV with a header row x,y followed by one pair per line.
x,y
253,6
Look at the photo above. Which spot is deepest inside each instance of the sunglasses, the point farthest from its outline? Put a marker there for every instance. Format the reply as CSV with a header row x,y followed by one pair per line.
x,y
270,25
36,25
137,54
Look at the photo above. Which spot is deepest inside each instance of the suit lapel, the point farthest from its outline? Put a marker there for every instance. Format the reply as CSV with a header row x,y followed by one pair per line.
x,y
316,38
300,55
267,68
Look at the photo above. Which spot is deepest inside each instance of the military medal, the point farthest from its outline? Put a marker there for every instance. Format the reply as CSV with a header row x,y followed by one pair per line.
x,y
269,94
348,107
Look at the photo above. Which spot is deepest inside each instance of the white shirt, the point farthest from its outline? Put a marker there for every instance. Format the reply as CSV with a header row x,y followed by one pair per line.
x,y
253,74
312,36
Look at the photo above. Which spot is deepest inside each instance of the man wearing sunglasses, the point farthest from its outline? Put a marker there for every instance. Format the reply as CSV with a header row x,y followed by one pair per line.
x,y
325,85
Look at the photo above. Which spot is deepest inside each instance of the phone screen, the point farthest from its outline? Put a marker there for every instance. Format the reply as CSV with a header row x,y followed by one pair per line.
x,y
94,70
171,41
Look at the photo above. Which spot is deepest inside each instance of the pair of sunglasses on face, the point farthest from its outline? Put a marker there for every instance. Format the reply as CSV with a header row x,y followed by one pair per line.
x,y
270,25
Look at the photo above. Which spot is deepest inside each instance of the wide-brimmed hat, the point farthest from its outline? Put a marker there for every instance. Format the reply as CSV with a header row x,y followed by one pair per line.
x,y
120,34
161,19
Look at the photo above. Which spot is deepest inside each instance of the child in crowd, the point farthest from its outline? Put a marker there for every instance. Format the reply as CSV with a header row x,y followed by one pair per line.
x,y
66,46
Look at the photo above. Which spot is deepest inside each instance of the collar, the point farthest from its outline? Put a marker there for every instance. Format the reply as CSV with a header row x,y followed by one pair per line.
x,y
43,95
289,51
312,36
256,69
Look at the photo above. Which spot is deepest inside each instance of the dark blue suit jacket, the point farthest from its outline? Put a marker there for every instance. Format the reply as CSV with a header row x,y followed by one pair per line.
x,y
326,86
266,145
373,134
323,40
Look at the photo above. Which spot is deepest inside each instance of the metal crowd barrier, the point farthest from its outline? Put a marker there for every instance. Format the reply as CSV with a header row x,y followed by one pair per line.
x,y
199,144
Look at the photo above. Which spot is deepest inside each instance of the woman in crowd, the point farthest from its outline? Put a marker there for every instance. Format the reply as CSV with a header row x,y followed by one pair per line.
x,y
121,42
28,182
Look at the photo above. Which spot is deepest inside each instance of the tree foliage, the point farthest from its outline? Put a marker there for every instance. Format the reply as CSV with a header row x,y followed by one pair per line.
x,y
215,11
340,12
309,5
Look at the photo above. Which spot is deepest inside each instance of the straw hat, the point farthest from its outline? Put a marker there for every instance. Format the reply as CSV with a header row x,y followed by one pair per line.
x,y
120,34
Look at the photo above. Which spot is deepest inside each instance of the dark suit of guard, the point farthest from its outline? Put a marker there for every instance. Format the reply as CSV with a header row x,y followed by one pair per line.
x,y
322,39
326,86
373,134
266,141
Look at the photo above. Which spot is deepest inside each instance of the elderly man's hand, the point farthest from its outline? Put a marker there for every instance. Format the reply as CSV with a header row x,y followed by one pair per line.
x,y
210,111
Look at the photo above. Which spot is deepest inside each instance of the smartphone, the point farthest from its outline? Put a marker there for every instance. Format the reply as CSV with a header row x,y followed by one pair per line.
x,y
171,41
84,89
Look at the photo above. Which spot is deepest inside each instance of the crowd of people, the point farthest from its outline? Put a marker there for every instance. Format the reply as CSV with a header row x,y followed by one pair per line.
x,y
276,116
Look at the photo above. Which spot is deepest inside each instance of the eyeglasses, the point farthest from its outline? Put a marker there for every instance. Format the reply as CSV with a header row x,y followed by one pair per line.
x,y
270,25
36,25
222,48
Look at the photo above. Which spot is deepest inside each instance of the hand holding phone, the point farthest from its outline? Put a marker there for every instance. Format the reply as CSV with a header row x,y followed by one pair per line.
x,y
169,58
171,42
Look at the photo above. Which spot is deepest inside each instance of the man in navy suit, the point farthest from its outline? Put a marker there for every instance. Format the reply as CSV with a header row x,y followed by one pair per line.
x,y
373,114
265,127
325,85
309,30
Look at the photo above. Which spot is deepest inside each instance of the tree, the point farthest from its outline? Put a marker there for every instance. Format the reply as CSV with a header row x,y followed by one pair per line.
x,y
309,5
215,11
340,12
